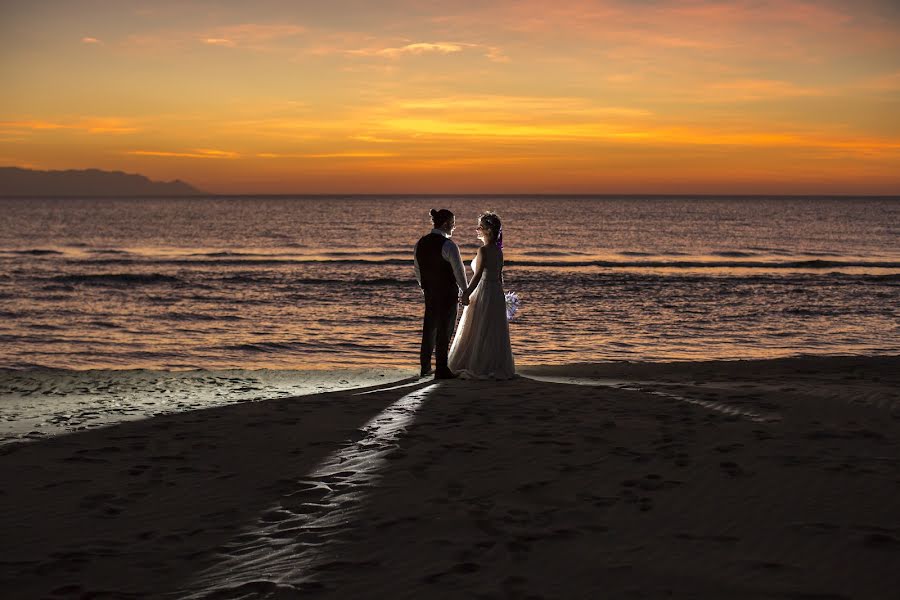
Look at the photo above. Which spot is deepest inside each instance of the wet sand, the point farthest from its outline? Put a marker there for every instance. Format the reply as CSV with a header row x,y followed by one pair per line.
x,y
750,479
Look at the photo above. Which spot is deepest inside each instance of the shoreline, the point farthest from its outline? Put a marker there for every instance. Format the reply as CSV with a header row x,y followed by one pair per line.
x,y
40,403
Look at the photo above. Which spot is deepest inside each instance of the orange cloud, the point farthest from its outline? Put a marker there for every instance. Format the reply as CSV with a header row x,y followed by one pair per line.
x,y
198,153
88,125
500,106
418,48
220,42
90,40
35,125
350,154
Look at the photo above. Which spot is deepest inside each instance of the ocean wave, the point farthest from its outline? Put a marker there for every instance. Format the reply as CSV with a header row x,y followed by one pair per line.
x,y
15,367
553,253
733,254
113,279
271,346
181,316
57,287
799,311
264,279
715,261
385,281
294,255
105,325
711,264
640,280
328,347
234,261
32,252
45,326
232,253
390,319
384,252
108,251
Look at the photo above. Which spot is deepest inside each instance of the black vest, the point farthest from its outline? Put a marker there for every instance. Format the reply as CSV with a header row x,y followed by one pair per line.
x,y
437,274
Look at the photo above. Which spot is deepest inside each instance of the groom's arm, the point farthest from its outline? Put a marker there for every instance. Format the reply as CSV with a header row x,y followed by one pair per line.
x,y
450,252
416,264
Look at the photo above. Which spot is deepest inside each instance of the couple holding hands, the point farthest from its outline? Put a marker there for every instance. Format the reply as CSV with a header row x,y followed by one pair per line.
x,y
481,348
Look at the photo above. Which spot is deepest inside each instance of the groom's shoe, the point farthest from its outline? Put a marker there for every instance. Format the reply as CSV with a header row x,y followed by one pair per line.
x,y
426,372
445,374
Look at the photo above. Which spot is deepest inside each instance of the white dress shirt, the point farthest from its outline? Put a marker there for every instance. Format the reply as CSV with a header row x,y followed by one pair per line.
x,y
450,253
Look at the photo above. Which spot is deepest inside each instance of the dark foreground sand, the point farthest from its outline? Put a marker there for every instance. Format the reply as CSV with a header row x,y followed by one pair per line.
x,y
771,479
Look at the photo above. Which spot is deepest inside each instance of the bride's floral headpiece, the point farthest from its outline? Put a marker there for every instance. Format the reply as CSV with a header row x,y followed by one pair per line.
x,y
493,222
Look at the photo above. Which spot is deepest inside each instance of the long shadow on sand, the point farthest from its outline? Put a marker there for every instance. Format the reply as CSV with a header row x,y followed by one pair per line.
x,y
522,489
135,509
534,489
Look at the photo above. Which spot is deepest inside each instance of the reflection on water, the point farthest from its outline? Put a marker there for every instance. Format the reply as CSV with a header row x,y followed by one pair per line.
x,y
324,282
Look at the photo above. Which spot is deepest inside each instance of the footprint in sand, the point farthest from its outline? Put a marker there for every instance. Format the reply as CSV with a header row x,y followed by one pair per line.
x,y
815,528
726,448
732,469
652,483
879,538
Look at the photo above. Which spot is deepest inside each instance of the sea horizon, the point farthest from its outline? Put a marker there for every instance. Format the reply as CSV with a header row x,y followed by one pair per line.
x,y
430,195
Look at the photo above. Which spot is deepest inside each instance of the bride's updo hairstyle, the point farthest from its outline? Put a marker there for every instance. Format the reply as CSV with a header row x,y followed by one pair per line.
x,y
440,217
491,222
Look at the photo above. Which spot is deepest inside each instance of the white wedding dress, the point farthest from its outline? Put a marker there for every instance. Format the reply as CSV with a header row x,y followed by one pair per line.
x,y
481,348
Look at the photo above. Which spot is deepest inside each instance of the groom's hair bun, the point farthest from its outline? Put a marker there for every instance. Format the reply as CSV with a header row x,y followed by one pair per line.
x,y
439,217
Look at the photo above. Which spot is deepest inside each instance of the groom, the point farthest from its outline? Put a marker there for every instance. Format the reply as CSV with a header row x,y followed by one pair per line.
x,y
441,275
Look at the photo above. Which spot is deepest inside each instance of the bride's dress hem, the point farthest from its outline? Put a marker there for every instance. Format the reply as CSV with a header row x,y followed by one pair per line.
x,y
481,348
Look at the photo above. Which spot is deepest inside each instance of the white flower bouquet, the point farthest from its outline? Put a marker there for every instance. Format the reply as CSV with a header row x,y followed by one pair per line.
x,y
512,305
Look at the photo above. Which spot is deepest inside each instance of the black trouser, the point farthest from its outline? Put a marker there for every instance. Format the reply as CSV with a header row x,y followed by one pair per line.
x,y
437,329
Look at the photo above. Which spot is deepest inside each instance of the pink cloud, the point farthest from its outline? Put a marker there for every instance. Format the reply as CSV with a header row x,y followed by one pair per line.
x,y
251,33
767,27
819,16
252,36
757,89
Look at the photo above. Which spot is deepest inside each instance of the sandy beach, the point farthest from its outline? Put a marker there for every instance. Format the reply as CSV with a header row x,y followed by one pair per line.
x,y
745,479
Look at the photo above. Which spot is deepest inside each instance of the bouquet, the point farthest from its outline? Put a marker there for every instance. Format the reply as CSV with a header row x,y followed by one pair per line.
x,y
512,305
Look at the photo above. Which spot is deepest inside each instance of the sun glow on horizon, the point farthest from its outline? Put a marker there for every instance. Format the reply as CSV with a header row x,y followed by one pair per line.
x,y
616,96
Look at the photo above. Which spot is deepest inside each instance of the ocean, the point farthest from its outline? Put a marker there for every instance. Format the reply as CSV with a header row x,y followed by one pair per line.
x,y
327,282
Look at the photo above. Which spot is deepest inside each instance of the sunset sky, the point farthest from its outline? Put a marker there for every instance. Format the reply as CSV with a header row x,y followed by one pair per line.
x,y
603,96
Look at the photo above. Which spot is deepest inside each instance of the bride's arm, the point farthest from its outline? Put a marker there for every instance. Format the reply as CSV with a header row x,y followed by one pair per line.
x,y
477,277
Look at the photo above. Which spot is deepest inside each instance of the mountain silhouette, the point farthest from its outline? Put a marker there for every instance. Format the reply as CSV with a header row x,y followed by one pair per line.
x,y
15,181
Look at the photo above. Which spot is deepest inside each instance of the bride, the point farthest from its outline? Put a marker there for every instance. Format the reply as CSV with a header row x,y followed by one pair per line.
x,y
481,348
